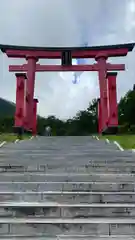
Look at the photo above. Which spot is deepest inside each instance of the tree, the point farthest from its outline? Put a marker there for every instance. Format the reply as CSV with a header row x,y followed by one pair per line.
x,y
126,108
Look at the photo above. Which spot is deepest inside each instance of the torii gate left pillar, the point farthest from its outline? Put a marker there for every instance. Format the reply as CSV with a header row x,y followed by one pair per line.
x,y
19,113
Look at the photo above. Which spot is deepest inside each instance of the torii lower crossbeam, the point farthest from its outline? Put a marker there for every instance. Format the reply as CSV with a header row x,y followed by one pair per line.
x,y
72,68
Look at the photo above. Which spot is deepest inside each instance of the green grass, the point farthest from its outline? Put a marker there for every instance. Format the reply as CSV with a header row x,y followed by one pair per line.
x,y
9,137
126,141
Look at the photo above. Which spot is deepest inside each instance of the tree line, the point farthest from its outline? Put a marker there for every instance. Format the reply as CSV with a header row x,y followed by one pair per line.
x,y
84,122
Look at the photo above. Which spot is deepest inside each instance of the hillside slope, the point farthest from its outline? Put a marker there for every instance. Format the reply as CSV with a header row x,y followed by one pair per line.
x,y
7,108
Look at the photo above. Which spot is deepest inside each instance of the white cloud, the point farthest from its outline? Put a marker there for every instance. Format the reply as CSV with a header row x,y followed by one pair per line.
x,y
61,23
130,17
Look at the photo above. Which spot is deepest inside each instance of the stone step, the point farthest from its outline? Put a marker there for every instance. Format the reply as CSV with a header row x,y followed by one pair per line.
x,y
67,237
59,141
92,226
100,220
49,204
55,168
66,210
65,161
86,151
67,186
69,197
47,147
63,177
62,146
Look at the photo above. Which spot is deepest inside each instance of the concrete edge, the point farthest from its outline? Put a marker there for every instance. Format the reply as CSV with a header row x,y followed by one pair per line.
x,y
95,137
119,146
107,140
16,141
3,143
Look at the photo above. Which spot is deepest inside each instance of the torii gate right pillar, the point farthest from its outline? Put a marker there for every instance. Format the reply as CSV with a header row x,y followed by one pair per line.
x,y
99,117
112,103
30,83
101,59
34,123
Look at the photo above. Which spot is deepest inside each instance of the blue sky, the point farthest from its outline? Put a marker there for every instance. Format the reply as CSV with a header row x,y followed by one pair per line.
x,y
66,23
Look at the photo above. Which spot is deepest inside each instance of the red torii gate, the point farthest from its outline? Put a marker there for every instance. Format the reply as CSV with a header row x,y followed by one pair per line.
x,y
99,53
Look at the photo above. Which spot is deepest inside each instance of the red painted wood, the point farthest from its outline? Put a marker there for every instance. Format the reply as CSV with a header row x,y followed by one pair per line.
x,y
59,68
34,125
112,99
30,84
19,112
103,90
99,117
101,66
57,54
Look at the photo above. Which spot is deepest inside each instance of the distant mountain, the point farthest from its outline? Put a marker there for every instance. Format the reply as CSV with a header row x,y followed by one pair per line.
x,y
7,108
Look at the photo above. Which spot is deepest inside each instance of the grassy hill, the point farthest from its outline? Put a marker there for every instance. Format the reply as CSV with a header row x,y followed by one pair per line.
x,y
7,108
127,141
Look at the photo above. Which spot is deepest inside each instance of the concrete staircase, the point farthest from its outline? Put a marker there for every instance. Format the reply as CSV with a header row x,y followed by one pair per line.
x,y
66,188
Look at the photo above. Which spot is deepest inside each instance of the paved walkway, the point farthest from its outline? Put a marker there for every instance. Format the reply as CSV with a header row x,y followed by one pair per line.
x,y
66,188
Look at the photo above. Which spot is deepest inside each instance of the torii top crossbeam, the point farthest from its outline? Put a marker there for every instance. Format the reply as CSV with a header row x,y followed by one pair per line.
x,y
76,52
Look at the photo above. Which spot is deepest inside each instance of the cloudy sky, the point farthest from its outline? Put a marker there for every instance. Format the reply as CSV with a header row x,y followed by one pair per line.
x,y
66,23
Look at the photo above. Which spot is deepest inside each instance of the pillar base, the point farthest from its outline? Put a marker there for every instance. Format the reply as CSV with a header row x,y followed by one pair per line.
x,y
19,131
112,130
28,132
